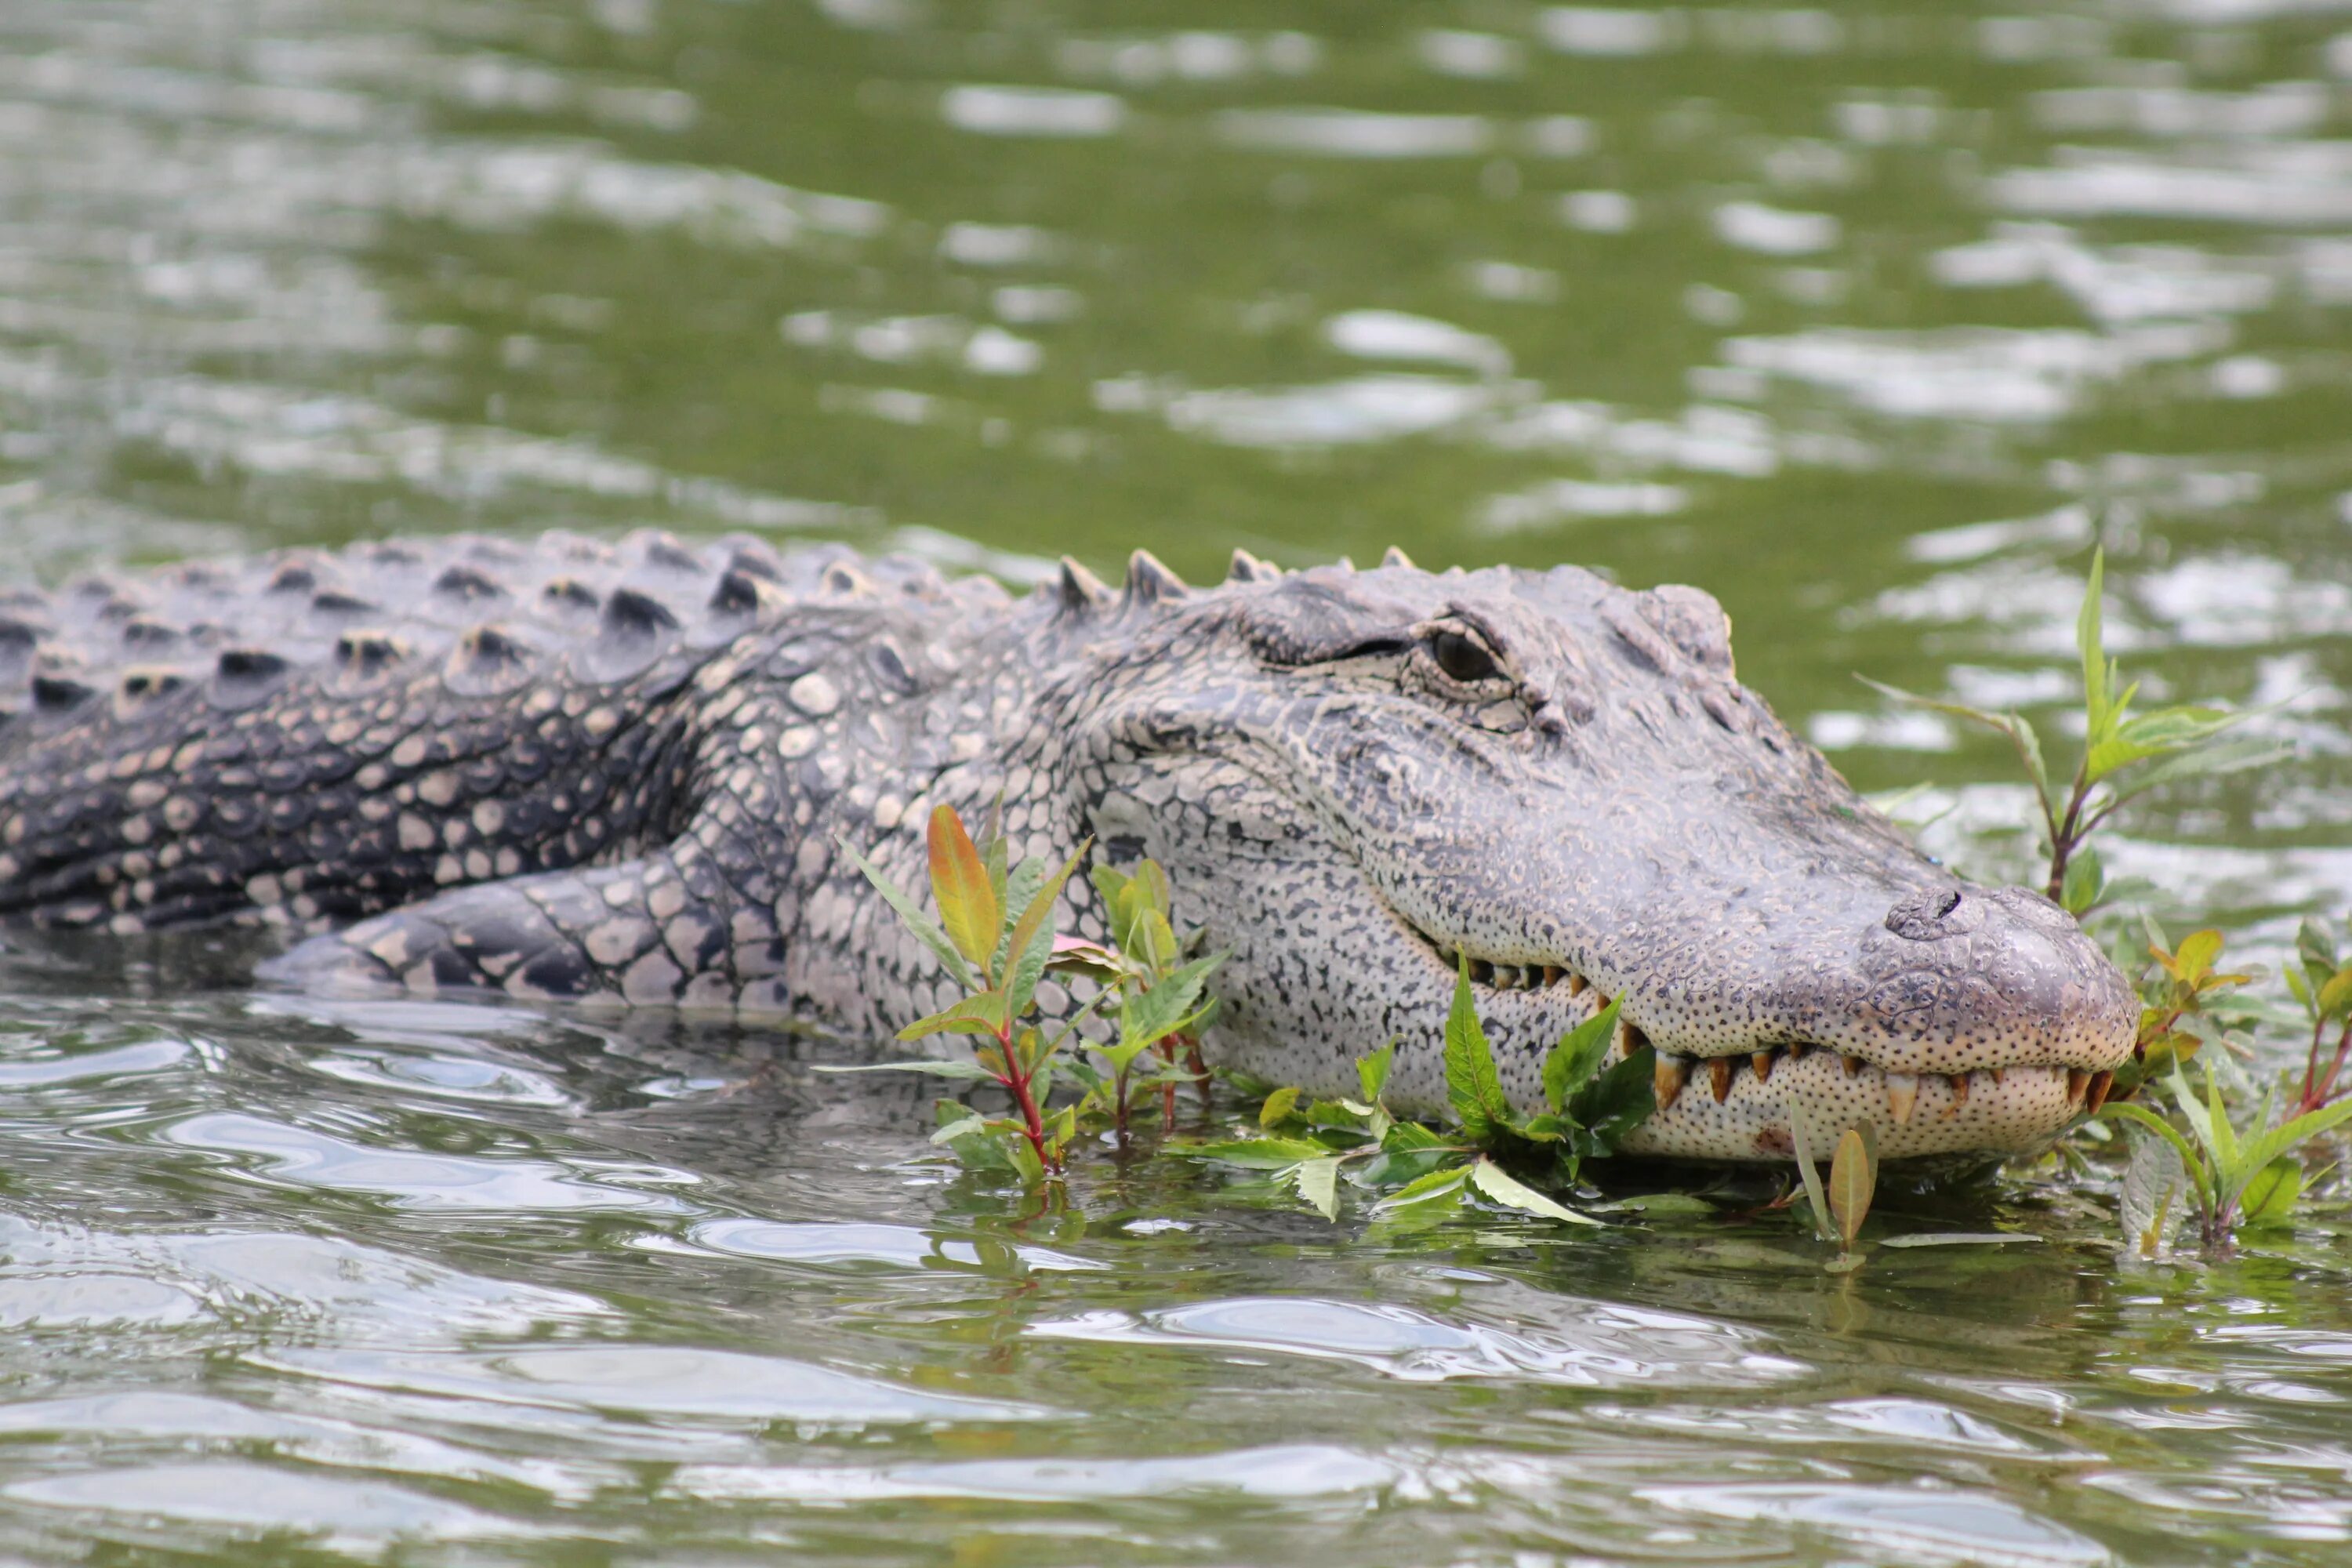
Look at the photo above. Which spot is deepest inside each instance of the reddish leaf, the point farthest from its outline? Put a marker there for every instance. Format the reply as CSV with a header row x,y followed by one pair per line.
x,y
960,883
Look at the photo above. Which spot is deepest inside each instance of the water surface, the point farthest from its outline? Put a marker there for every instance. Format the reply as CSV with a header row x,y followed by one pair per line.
x,y
1869,319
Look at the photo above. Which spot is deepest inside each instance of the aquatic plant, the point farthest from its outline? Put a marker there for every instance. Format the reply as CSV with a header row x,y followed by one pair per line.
x,y
2124,757
1406,1166
998,957
2235,1178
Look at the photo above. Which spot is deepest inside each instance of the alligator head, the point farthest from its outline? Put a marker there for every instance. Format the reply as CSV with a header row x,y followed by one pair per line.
x,y
1356,779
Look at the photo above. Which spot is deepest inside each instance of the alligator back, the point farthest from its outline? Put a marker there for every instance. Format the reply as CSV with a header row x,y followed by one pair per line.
x,y
309,737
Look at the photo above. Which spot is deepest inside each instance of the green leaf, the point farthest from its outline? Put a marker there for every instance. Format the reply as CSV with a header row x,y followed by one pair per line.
x,y
1410,1137
2335,997
1571,1064
1504,1188
2167,728
2088,637
1808,1173
1472,1086
1026,1162
1935,705
1664,1205
980,1015
2085,879
2225,1136
1421,1188
977,1145
1620,1100
2261,1149
1318,1183
960,884
912,916
2300,988
1852,1180
948,1069
2191,1161
1110,882
1372,1071
1278,1107
2195,956
1152,883
1031,941
2318,950
2270,1195
1163,1010
2028,741
1258,1153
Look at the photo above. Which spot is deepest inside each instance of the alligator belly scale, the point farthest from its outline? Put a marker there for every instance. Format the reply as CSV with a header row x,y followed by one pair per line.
x,y
618,773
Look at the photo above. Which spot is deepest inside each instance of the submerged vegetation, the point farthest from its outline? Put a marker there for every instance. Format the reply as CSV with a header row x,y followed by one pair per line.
x,y
1137,1041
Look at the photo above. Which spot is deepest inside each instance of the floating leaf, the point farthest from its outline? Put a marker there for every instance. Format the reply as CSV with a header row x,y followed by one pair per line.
x,y
1259,1154
1278,1107
1421,1188
1410,1138
961,885
1318,1183
1372,1071
1504,1188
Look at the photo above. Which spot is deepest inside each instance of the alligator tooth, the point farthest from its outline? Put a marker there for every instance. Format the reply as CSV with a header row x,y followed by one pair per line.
x,y
1552,973
1718,1078
1667,1079
1852,1065
1507,978
1902,1095
2097,1095
1796,1049
2077,1080
1995,1074
1762,1062
1575,985
1959,1092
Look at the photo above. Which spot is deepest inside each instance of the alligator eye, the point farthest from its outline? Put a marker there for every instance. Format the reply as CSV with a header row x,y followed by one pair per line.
x,y
1461,659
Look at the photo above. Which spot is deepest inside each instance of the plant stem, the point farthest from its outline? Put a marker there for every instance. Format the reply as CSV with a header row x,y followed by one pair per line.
x,y
2067,835
2318,1088
1016,1079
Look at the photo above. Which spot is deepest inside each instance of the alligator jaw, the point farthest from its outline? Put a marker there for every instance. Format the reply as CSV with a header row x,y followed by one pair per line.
x,y
1739,1105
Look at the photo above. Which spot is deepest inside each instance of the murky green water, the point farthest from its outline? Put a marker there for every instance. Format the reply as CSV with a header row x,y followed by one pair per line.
x,y
1863,318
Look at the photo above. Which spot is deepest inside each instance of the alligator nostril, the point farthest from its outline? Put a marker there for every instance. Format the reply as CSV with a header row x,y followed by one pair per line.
x,y
1932,915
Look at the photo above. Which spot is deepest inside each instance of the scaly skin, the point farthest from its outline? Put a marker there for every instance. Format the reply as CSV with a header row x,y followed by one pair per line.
x,y
616,775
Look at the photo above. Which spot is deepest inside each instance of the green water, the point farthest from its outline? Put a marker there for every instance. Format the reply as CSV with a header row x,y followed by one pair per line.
x,y
1863,318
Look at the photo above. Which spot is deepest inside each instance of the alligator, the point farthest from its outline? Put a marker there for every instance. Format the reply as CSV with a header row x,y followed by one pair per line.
x,y
622,773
